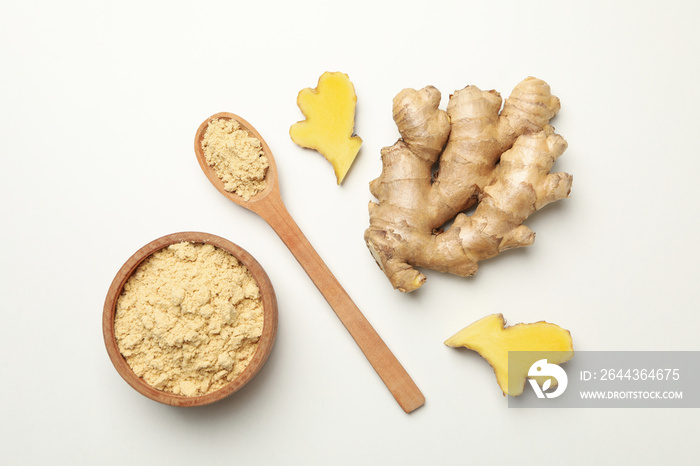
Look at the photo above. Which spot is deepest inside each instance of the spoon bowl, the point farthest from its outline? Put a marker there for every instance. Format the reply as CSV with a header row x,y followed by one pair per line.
x,y
272,185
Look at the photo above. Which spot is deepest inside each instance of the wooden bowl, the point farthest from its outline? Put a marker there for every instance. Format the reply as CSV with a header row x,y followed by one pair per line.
x,y
264,345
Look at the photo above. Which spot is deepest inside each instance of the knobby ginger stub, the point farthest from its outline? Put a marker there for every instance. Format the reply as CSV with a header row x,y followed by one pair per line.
x,y
189,319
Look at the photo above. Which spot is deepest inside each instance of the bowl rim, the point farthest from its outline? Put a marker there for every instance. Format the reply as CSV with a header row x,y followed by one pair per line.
x,y
264,345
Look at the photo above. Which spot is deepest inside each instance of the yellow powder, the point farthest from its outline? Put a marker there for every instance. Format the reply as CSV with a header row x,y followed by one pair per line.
x,y
236,157
189,319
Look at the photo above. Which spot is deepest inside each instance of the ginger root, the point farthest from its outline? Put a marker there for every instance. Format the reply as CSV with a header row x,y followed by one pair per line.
x,y
330,118
492,340
500,161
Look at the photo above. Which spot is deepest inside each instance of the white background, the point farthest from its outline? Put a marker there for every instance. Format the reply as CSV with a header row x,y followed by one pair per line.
x,y
99,103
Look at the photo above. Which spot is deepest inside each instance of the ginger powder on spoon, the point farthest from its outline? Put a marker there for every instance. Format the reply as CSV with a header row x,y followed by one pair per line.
x,y
236,157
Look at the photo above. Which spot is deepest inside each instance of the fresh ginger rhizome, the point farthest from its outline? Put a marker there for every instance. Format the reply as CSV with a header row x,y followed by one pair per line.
x,y
500,161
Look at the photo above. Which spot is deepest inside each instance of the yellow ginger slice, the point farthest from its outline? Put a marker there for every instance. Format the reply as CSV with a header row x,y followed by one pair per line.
x,y
330,118
492,340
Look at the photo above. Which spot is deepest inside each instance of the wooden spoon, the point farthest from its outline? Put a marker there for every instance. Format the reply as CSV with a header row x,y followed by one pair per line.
x,y
268,204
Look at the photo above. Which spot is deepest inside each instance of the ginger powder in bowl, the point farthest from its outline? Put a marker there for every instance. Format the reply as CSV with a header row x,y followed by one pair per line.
x,y
189,319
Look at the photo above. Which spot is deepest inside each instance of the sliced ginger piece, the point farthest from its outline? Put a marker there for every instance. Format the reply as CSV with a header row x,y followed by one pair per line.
x,y
492,340
330,118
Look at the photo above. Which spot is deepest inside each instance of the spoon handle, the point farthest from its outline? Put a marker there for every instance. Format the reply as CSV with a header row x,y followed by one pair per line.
x,y
392,373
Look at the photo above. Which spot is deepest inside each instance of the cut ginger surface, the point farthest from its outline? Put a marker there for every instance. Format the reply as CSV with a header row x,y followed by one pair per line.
x,y
493,340
330,118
